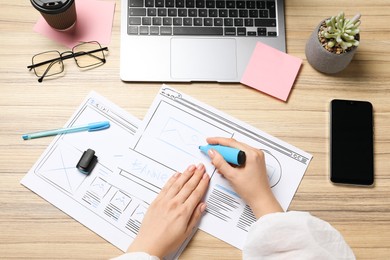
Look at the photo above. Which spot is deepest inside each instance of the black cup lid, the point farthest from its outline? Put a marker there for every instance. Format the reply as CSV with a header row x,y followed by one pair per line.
x,y
51,6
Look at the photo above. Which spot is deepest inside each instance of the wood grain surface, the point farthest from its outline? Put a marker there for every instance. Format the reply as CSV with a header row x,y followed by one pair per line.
x,y
32,228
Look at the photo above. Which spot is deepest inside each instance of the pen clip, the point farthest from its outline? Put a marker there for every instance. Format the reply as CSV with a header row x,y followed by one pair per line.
x,y
98,126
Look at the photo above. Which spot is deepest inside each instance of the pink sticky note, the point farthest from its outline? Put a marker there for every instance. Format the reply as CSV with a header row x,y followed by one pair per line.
x,y
271,71
94,23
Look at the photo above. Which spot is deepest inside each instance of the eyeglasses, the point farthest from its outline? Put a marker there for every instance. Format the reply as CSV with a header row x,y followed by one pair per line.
x,y
86,55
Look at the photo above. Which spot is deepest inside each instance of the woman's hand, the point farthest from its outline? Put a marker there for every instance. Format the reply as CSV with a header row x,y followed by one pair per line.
x,y
249,181
174,213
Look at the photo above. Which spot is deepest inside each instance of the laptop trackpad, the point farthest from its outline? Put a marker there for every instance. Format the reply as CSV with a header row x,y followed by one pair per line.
x,y
203,59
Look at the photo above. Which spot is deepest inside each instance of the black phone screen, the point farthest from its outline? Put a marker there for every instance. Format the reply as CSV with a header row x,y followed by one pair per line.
x,y
351,142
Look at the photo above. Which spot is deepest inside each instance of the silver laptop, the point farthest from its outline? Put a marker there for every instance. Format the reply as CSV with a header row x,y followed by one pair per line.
x,y
195,40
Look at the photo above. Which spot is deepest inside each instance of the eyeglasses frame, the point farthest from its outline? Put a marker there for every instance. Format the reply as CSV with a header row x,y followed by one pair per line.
x,y
63,57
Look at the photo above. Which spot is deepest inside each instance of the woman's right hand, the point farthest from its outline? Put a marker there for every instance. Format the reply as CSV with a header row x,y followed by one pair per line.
x,y
249,181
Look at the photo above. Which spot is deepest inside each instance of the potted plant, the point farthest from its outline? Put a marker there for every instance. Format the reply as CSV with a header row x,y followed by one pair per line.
x,y
333,43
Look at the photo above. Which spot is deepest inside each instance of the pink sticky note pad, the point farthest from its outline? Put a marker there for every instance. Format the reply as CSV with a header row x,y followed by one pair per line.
x,y
271,71
94,23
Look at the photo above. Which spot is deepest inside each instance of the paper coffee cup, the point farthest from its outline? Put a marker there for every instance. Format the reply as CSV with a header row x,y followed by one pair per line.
x,y
59,14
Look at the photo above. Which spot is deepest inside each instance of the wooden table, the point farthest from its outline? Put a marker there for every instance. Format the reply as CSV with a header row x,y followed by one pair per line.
x,y
32,228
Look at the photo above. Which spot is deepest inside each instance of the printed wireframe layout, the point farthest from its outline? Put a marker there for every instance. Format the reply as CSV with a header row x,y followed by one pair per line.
x,y
93,200
176,125
58,166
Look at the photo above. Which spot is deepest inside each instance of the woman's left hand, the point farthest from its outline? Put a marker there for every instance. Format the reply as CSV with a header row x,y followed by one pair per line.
x,y
174,213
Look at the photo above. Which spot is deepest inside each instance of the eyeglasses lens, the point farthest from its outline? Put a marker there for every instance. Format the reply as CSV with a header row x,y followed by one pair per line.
x,y
48,62
88,54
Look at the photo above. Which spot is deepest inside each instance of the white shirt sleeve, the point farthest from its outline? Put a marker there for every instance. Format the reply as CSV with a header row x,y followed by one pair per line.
x,y
294,235
136,256
290,235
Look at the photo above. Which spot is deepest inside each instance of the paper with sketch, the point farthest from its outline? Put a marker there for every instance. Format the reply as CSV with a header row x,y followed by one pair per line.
x,y
141,178
92,200
168,140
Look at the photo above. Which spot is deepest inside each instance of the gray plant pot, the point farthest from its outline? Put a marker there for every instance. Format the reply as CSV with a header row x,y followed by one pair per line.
x,y
324,61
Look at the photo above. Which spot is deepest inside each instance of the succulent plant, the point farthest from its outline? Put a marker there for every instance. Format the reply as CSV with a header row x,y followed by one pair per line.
x,y
341,32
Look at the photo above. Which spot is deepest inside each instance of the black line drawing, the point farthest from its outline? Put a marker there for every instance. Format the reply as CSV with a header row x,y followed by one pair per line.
x,y
139,213
120,201
274,168
60,170
177,97
100,187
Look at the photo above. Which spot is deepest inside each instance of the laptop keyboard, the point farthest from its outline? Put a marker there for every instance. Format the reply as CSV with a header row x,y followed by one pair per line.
x,y
202,17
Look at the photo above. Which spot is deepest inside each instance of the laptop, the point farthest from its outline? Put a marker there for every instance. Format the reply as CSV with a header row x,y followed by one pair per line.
x,y
195,40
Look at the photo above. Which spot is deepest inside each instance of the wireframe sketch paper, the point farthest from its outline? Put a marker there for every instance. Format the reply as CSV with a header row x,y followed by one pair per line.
x,y
92,200
141,179
168,141
104,201
135,162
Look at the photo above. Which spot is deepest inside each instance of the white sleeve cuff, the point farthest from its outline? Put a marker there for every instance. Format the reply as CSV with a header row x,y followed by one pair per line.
x,y
294,235
136,256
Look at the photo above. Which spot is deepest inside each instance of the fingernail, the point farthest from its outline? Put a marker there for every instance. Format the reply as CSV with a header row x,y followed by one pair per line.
x,y
211,153
205,176
203,207
191,168
176,174
200,166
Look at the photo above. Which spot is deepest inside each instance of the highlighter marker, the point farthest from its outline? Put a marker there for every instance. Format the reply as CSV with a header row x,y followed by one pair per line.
x,y
230,154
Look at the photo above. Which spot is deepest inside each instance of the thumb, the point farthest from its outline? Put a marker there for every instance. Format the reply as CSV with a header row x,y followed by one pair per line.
x,y
219,162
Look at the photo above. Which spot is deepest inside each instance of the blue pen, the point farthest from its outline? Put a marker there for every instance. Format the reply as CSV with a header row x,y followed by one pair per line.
x,y
88,127
230,154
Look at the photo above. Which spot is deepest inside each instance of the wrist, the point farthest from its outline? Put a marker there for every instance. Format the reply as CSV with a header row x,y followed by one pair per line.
x,y
144,247
265,205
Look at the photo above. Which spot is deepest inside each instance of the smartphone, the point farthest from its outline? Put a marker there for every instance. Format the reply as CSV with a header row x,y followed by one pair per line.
x,y
351,142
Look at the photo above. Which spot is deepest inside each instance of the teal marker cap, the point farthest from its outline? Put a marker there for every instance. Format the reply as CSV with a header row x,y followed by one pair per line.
x,y
230,154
